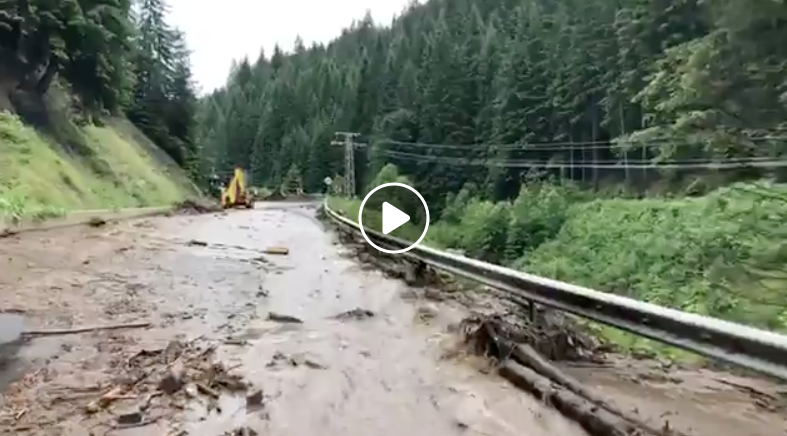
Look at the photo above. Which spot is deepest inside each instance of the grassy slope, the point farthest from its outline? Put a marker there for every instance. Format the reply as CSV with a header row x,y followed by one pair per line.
x,y
38,178
721,255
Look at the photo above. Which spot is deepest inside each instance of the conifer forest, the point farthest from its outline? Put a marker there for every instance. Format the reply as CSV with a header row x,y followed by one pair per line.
x,y
486,92
602,142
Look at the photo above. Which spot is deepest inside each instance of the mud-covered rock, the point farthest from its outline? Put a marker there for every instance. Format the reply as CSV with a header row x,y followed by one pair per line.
x,y
174,380
356,313
279,317
130,417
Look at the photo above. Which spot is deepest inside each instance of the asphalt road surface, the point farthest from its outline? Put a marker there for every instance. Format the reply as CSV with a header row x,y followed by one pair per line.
x,y
206,278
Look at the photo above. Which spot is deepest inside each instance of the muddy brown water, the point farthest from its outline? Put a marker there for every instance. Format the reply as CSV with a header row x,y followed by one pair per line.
x,y
11,343
381,375
385,375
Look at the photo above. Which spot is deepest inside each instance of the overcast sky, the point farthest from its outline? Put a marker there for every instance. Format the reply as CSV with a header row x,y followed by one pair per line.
x,y
218,32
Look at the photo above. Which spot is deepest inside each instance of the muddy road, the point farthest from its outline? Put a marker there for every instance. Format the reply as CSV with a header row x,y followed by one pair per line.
x,y
390,367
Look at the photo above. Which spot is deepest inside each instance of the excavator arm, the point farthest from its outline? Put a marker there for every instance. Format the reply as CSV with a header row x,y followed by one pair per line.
x,y
236,193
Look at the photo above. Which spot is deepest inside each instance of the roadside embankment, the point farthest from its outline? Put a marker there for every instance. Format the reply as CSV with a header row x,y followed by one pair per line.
x,y
87,168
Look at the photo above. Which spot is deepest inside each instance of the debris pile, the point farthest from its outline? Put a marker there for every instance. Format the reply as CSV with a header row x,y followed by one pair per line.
x,y
554,336
195,207
524,351
152,386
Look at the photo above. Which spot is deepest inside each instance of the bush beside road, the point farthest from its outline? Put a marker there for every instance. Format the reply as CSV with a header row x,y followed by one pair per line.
x,y
717,255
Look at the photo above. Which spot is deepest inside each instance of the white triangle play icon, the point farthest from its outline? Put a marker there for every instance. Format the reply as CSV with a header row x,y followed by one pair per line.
x,y
393,218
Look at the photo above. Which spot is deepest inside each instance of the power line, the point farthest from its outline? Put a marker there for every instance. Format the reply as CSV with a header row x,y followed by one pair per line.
x,y
562,146
597,161
726,164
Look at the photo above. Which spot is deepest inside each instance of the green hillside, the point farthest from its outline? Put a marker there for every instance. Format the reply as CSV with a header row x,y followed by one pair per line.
x,y
39,178
96,107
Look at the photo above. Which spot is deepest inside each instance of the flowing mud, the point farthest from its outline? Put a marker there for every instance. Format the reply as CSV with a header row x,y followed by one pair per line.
x,y
377,370
323,344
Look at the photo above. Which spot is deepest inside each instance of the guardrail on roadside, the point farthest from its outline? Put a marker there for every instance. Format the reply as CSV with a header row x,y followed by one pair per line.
x,y
752,348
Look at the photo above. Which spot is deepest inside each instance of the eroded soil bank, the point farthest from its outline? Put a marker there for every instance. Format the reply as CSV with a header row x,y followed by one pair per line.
x,y
211,294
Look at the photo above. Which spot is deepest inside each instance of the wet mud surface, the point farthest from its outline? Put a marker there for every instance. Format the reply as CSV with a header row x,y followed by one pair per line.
x,y
383,369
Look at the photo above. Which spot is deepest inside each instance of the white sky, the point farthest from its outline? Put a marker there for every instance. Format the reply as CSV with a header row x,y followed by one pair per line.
x,y
223,31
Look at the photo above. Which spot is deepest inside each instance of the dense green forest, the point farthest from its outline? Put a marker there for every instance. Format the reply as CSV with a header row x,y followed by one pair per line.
x,y
458,91
475,102
111,57
467,100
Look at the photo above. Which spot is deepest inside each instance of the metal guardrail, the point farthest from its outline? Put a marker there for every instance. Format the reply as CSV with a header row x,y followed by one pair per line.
x,y
755,349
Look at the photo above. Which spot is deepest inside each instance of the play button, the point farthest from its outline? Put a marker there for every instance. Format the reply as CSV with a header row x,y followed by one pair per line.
x,y
395,210
393,218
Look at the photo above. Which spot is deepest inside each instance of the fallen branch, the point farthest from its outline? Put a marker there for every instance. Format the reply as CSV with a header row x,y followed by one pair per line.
x,y
207,390
597,421
531,358
144,423
71,331
116,393
281,251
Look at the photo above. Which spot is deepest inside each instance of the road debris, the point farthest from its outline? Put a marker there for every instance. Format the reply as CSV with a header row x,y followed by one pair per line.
x,y
130,417
255,399
356,313
278,317
197,243
280,359
151,385
281,251
426,312
75,330
96,222
520,349
195,207
314,365
174,379
241,431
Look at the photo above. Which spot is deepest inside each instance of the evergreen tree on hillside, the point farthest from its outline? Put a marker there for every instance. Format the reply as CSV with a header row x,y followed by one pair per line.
x,y
113,56
600,80
164,102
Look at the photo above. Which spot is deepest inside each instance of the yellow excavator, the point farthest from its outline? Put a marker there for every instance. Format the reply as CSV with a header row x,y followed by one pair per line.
x,y
236,194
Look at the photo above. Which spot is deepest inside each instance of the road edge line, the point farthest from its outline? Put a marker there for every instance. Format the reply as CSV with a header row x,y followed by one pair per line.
x,y
81,218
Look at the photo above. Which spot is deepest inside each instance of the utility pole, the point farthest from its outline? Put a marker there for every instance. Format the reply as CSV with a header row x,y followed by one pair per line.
x,y
349,159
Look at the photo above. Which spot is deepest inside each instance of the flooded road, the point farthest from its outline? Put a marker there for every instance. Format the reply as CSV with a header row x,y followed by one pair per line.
x,y
380,375
385,374
391,367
